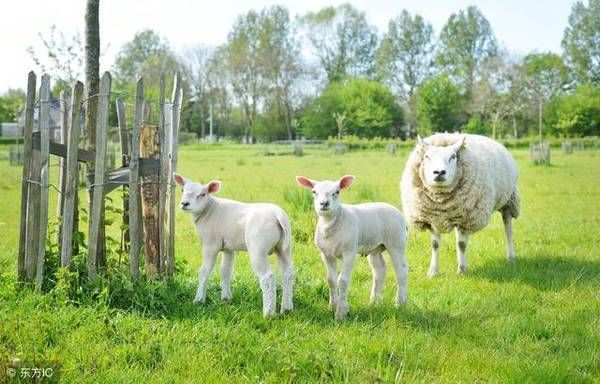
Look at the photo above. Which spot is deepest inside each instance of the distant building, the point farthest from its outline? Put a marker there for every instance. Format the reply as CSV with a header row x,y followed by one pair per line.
x,y
9,130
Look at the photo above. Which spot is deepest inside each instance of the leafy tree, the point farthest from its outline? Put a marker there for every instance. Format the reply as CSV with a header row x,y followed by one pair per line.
x,y
195,63
546,76
343,41
368,107
404,56
581,41
466,41
578,114
10,104
438,107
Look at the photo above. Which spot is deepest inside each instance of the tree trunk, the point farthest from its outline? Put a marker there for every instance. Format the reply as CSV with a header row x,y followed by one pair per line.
x,y
540,111
92,85
514,120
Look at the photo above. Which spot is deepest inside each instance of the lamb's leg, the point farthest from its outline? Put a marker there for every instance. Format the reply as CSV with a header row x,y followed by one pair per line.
x,y
507,219
344,284
398,256
266,279
226,272
436,242
378,267
331,264
287,279
461,251
209,257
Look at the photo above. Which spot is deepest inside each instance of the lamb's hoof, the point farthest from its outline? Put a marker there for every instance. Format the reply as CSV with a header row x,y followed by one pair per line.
x,y
199,300
462,269
341,314
286,310
269,314
432,273
400,301
511,259
226,299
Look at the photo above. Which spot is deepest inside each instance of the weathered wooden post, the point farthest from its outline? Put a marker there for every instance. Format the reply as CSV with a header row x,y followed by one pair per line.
x,y
124,141
25,227
175,118
149,149
71,173
44,177
134,184
99,172
62,162
162,174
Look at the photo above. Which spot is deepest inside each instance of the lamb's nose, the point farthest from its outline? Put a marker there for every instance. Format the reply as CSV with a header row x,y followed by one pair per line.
x,y
439,173
184,204
324,204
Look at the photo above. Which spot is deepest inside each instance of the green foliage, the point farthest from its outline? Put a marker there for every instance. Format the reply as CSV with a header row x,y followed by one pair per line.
x,y
369,107
581,39
466,41
344,41
10,104
477,126
578,114
438,105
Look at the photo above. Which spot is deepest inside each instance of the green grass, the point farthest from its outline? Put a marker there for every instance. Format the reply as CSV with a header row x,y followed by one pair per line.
x,y
535,321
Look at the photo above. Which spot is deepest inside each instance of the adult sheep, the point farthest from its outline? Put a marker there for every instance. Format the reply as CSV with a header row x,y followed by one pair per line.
x,y
456,181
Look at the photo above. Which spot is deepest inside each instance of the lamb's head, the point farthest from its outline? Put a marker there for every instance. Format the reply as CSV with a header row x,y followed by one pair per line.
x,y
326,193
195,196
440,163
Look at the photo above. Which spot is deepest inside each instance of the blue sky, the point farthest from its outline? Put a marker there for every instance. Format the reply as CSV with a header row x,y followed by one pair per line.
x,y
520,26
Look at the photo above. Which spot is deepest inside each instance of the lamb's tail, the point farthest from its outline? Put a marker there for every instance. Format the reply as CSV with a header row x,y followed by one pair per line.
x,y
286,228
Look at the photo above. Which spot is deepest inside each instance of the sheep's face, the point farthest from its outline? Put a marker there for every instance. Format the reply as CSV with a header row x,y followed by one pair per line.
x,y
440,163
195,196
326,194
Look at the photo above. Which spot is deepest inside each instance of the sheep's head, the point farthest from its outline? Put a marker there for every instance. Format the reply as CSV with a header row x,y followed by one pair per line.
x,y
195,196
440,163
326,193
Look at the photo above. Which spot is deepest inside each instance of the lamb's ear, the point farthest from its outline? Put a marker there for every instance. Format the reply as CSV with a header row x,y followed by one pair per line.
x,y
422,143
180,180
305,182
346,181
213,186
460,144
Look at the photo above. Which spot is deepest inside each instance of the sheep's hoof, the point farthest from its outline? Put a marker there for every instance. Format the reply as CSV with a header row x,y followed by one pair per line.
x,y
286,310
400,301
511,259
199,300
226,299
341,314
432,273
462,269
268,314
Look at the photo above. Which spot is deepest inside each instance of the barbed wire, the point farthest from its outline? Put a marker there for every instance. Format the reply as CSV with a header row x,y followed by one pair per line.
x,y
93,185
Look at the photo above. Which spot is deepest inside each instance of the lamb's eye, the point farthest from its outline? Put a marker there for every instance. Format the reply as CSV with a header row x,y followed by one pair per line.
x,y
314,192
453,157
336,193
427,157
202,194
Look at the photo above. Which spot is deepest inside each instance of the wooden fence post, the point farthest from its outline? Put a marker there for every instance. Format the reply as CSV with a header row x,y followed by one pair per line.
x,y
162,176
62,162
26,175
44,177
150,198
175,115
124,141
134,186
70,185
99,171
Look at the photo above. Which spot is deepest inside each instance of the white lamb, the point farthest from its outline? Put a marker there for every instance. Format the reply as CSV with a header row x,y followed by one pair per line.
x,y
344,230
456,181
229,226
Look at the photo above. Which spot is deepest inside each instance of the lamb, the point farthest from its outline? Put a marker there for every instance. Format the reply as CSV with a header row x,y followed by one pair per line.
x,y
456,181
344,230
229,226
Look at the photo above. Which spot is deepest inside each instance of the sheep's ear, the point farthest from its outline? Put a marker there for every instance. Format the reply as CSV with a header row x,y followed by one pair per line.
x,y
213,186
346,181
422,143
180,180
305,182
460,144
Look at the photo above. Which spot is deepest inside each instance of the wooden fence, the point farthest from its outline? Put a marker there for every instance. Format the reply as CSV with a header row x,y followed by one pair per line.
x,y
136,173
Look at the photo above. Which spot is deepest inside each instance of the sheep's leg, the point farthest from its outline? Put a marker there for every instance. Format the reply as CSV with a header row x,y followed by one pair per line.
x,y
266,279
507,219
331,264
378,267
287,279
344,284
398,256
226,272
209,257
461,251
436,242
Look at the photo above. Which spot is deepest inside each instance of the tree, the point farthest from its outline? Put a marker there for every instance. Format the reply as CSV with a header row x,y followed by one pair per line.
x,y
578,114
343,41
546,76
63,57
10,104
195,63
368,107
581,41
404,55
438,105
466,41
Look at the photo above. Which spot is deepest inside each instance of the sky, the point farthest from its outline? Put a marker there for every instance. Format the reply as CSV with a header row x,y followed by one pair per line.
x,y
521,26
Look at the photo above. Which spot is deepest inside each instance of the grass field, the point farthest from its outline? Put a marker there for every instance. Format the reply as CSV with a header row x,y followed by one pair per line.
x,y
535,321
